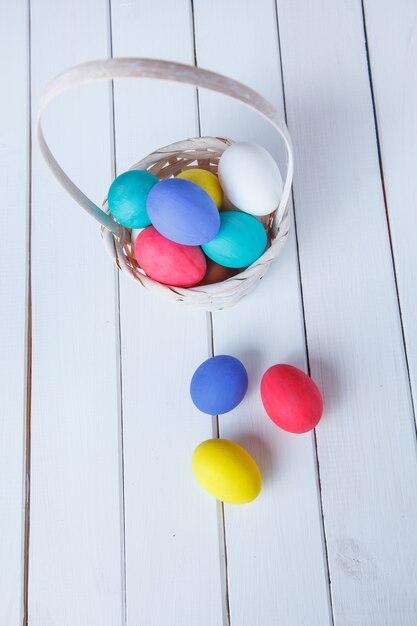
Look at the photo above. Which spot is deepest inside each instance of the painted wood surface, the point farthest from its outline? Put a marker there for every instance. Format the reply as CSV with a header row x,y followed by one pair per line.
x,y
14,170
268,545
75,560
366,442
120,533
393,49
173,569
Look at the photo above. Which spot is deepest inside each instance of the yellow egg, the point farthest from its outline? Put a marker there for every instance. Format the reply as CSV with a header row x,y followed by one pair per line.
x,y
207,181
226,471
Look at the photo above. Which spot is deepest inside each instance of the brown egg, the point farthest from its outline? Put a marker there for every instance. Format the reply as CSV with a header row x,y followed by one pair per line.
x,y
217,273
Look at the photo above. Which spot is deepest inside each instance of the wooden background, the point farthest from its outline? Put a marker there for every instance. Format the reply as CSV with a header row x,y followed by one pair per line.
x,y
101,520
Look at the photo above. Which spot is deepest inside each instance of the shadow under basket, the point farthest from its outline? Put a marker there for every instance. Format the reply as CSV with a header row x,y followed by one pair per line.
x,y
203,152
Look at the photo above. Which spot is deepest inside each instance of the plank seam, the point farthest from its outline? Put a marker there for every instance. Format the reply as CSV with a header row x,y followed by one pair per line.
x,y
384,194
28,332
118,329
221,518
224,574
314,439
197,93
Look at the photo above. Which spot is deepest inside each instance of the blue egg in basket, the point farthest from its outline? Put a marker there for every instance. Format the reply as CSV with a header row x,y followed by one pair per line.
x,y
183,212
127,198
219,384
240,241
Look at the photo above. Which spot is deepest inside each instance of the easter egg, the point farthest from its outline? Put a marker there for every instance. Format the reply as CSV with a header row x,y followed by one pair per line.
x,y
226,471
219,384
240,241
216,273
168,262
207,181
127,198
183,212
250,178
291,398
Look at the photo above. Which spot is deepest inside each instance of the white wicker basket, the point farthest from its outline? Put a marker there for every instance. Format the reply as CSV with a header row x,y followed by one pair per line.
x,y
168,161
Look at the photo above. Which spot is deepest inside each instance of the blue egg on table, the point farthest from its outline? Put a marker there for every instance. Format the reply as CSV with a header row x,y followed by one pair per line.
x,y
127,198
183,212
240,241
219,384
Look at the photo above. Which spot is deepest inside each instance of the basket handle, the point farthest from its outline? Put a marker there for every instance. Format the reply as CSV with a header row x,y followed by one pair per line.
x,y
110,69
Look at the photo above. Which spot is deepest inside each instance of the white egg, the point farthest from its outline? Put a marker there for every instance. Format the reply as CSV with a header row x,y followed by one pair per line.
x,y
250,178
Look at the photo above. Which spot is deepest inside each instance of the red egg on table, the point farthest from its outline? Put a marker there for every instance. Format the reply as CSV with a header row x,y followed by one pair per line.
x,y
168,262
291,398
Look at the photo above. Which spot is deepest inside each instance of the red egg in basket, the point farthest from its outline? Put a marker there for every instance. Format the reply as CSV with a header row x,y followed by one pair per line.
x,y
291,398
168,262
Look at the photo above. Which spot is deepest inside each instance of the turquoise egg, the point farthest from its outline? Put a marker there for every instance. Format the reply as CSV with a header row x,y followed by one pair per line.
x,y
240,241
127,198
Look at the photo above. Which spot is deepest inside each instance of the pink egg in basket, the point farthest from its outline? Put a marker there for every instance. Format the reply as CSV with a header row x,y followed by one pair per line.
x,y
168,262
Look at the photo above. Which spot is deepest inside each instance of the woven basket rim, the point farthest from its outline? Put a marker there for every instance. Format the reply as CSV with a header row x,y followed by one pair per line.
x,y
185,152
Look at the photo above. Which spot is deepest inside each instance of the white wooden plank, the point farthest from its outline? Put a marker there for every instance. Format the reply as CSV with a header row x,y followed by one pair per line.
x,y
172,546
366,441
75,575
393,51
276,558
13,199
